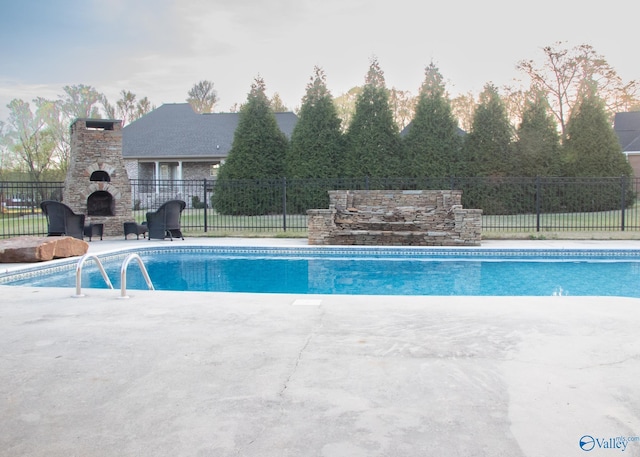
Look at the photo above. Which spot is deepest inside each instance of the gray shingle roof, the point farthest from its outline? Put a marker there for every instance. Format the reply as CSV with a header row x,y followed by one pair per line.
x,y
627,127
175,131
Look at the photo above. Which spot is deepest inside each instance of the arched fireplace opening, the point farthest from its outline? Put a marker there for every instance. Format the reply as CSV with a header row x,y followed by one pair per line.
x,y
100,175
100,203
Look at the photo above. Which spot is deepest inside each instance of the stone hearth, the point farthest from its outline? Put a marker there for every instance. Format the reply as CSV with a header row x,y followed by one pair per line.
x,y
97,184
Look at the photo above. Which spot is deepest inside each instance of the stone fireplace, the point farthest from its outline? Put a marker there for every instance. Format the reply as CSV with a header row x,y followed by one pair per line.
x,y
100,203
97,184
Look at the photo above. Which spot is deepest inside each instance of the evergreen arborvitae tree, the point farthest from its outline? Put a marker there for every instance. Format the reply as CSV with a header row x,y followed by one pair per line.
x,y
537,149
432,143
316,140
487,147
257,153
315,151
373,142
592,147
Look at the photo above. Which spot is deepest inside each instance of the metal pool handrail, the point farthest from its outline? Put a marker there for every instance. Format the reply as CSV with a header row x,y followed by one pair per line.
x,y
123,274
79,273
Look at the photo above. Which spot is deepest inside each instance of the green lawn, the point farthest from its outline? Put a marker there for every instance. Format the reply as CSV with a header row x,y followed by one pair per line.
x,y
272,225
601,220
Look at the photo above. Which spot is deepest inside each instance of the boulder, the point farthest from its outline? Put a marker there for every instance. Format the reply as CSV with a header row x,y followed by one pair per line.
x,y
25,249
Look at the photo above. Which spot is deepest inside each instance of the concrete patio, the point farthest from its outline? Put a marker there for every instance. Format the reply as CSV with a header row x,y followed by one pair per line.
x,y
219,374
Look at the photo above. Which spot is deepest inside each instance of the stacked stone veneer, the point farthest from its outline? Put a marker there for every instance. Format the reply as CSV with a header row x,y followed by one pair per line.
x,y
395,218
96,145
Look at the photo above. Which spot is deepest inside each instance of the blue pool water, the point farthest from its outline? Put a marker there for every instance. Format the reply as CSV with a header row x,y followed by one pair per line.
x,y
375,271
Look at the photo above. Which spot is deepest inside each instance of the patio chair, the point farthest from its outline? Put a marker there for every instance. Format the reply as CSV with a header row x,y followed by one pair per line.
x,y
165,222
62,220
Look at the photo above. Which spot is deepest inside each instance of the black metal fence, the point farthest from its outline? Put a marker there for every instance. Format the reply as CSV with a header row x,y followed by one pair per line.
x,y
279,205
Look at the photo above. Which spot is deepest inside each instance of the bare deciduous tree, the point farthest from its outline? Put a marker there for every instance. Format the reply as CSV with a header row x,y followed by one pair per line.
x,y
126,106
129,109
515,100
28,137
202,97
277,105
464,106
346,105
564,72
403,105
57,122
80,101
143,107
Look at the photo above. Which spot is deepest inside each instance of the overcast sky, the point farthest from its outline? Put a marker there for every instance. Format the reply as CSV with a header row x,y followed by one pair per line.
x,y
161,48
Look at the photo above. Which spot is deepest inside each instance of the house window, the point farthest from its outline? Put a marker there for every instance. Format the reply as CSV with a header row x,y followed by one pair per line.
x,y
168,175
164,171
168,171
213,171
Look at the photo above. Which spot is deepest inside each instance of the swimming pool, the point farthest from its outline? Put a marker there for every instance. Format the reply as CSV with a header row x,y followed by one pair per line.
x,y
359,270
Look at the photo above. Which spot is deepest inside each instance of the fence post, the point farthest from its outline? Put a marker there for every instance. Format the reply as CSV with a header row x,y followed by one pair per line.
x,y
537,203
206,204
33,198
284,204
623,203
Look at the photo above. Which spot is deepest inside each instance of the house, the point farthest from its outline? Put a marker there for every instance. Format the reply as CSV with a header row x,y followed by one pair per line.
x,y
174,142
627,127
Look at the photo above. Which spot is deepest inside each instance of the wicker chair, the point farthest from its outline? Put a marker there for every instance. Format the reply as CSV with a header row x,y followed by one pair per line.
x,y
62,220
165,222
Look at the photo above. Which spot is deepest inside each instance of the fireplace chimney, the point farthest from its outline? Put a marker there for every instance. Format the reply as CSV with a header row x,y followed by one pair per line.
x,y
97,184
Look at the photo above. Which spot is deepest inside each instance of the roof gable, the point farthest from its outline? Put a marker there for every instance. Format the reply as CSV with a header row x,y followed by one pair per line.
x,y
176,131
627,127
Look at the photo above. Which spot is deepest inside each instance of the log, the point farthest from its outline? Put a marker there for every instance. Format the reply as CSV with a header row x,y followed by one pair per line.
x,y
27,249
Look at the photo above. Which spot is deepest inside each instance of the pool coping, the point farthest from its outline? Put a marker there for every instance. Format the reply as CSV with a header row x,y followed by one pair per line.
x,y
110,246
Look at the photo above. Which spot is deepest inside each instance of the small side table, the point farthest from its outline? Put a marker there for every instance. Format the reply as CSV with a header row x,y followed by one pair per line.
x,y
133,228
92,230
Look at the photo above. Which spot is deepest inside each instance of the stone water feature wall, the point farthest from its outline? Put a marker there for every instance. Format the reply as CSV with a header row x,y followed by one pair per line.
x,y
395,218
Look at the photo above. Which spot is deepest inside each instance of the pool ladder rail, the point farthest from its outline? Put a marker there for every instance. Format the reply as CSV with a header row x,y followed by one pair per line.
x,y
123,274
